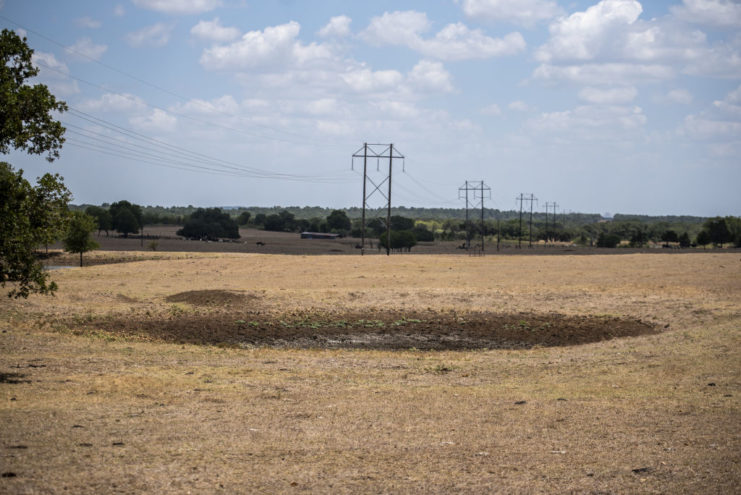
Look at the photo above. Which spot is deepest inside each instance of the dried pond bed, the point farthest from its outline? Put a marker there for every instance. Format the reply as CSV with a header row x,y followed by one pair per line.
x,y
373,329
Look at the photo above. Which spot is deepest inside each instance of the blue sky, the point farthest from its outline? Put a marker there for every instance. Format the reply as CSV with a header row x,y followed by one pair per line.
x,y
612,106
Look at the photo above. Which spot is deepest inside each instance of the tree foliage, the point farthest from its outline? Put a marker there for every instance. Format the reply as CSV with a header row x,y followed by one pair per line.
x,y
26,122
77,239
244,218
25,213
338,221
211,224
126,218
684,240
718,231
607,240
284,221
400,239
102,218
29,216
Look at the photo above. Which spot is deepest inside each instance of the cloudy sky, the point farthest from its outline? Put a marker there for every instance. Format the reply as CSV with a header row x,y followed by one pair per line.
x,y
611,106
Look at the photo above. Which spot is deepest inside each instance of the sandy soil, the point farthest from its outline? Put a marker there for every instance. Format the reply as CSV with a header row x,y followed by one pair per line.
x,y
96,397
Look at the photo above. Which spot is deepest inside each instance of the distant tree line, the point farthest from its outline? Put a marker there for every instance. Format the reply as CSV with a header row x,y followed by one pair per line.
x,y
430,224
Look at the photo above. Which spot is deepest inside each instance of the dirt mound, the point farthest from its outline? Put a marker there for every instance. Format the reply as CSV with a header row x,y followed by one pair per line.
x,y
208,298
382,330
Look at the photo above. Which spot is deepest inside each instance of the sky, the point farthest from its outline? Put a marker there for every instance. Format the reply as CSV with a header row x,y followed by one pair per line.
x,y
614,106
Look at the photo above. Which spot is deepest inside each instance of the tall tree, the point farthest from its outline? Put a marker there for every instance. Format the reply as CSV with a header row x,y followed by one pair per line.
x,y
29,216
26,121
77,239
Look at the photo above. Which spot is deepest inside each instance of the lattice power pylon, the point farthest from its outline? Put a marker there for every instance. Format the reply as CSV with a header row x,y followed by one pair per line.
x,y
379,152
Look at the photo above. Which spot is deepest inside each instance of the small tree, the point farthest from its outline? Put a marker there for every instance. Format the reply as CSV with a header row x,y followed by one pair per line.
x,y
703,238
338,221
718,231
125,222
244,218
210,223
608,240
78,239
400,239
684,240
669,236
102,217
126,218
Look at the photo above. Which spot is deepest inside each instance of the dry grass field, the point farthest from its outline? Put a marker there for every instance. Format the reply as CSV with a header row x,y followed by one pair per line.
x,y
244,373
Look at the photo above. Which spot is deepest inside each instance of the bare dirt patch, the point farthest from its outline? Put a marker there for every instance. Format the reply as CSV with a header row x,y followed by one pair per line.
x,y
387,330
208,297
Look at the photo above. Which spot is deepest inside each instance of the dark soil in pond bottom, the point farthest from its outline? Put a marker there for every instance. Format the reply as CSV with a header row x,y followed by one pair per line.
x,y
375,329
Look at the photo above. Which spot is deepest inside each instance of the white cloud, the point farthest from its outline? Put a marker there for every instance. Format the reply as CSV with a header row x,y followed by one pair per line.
x,y
119,10
54,74
399,110
453,42
734,96
719,13
608,96
368,81
520,106
272,46
88,22
492,109
523,12
604,74
583,35
698,127
84,48
155,35
591,118
114,102
681,96
611,32
214,31
337,27
731,104
157,121
224,105
323,106
718,127
178,6
431,76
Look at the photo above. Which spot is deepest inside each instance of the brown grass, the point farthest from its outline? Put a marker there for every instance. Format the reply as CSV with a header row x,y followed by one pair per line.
x,y
102,412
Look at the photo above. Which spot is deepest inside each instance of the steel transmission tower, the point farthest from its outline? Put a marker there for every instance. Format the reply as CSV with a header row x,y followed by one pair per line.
x,y
479,191
377,151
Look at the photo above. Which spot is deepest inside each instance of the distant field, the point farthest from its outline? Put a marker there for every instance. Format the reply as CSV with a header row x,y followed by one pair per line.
x,y
266,242
234,372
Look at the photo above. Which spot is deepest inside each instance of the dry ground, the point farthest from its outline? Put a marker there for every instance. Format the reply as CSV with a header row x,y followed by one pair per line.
x,y
93,403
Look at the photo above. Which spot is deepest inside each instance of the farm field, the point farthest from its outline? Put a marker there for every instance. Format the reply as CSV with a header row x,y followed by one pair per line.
x,y
238,372
266,242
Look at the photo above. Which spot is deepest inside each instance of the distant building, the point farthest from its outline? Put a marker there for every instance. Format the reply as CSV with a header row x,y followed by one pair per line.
x,y
318,235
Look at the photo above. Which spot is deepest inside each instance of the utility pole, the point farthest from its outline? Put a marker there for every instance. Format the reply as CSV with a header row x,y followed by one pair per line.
x,y
532,198
499,228
480,191
376,151
554,205
519,232
547,232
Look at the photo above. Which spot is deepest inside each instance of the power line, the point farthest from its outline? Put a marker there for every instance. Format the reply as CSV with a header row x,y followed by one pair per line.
x,y
216,163
140,80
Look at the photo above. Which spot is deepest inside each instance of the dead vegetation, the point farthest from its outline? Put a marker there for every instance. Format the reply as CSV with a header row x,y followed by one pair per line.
x,y
102,390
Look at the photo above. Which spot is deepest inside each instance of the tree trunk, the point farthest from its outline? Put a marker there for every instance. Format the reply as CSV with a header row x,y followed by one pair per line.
x,y
80,259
